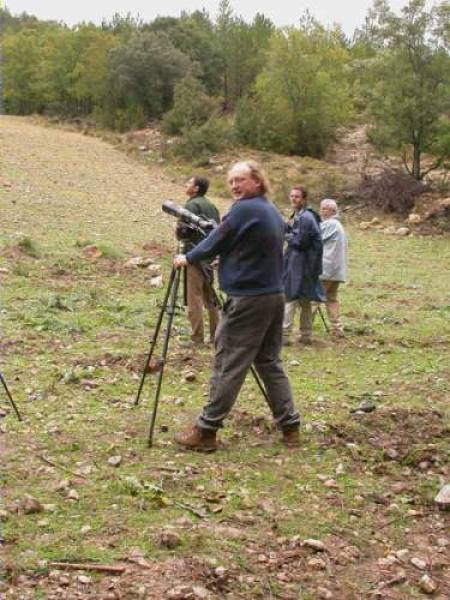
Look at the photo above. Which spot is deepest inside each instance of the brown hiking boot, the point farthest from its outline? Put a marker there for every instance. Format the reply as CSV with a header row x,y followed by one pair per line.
x,y
196,438
291,438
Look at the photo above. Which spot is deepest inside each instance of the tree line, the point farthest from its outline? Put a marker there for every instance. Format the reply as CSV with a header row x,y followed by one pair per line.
x,y
224,81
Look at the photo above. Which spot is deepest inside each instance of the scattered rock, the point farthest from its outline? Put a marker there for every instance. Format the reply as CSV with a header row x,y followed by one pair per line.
x,y
317,563
391,453
427,584
138,261
30,505
324,594
156,282
390,230
443,498
220,572
51,508
84,579
114,461
414,219
62,485
317,545
418,563
73,495
85,529
367,406
387,561
179,592
403,231
169,539
200,592
340,469
331,483
154,270
365,225
190,376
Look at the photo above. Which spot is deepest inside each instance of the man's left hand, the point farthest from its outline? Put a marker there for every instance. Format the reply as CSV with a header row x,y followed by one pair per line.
x,y
179,261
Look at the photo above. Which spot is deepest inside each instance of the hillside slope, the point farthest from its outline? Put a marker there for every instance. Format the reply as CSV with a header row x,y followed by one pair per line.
x,y
351,515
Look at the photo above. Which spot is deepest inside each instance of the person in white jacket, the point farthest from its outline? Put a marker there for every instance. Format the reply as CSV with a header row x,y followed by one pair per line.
x,y
334,265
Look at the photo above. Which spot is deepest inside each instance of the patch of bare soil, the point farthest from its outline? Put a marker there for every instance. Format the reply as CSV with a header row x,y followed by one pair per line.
x,y
276,568
408,437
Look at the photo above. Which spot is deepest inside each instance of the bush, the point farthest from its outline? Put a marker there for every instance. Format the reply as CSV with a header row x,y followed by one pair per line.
x,y
198,143
392,191
29,247
121,119
191,106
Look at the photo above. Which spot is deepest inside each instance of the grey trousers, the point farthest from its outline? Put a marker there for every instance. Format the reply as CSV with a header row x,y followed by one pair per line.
x,y
306,317
249,332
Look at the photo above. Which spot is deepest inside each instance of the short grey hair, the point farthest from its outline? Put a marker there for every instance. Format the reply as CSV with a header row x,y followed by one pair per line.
x,y
329,203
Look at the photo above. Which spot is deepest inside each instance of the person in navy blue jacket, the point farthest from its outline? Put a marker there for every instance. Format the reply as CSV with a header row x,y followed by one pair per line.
x,y
249,243
302,266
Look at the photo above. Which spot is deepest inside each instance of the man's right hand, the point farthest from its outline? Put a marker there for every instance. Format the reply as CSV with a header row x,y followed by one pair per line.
x,y
180,261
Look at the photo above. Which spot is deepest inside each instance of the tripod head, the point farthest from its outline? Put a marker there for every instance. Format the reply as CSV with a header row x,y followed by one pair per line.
x,y
196,223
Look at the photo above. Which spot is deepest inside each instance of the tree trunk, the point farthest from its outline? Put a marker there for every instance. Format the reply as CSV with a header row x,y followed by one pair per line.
x,y
416,162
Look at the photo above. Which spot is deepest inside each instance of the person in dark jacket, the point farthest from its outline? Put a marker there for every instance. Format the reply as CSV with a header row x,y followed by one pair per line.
x,y
199,277
302,266
249,243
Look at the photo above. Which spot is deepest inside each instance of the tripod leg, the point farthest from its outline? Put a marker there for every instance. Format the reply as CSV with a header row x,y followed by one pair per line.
x,y
156,332
171,312
320,311
10,397
259,383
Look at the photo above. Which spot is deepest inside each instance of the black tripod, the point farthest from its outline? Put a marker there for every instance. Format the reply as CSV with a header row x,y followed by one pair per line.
x,y
10,397
169,306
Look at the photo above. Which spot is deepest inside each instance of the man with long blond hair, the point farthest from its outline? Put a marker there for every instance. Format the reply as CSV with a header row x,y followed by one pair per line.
x,y
249,243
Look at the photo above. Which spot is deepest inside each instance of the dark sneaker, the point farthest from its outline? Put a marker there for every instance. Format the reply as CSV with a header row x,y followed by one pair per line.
x,y
196,438
291,438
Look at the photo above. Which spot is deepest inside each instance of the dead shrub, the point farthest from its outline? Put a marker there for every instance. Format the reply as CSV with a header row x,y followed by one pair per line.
x,y
391,190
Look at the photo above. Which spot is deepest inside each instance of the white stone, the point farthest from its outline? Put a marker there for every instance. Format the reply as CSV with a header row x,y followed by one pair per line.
x,y
315,544
418,563
427,585
156,282
443,498
114,461
73,495
402,231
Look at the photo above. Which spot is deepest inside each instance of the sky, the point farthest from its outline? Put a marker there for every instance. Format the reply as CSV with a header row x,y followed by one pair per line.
x,y
348,13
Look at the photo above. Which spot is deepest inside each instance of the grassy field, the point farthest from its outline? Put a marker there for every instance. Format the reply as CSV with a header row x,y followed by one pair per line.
x,y
76,326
